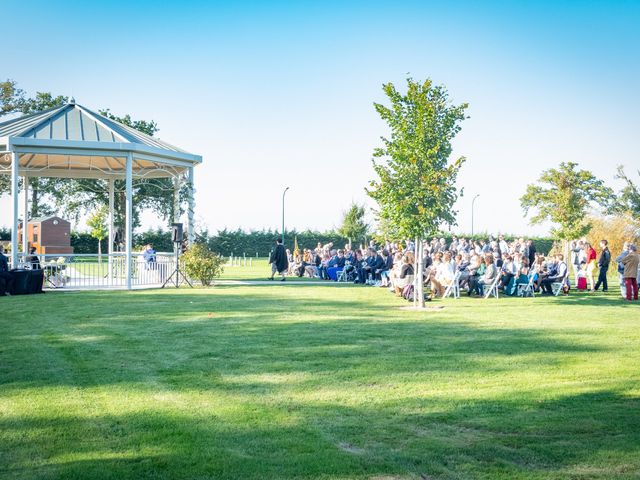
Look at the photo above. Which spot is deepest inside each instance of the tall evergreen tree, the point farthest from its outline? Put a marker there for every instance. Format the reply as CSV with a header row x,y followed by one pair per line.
x,y
354,226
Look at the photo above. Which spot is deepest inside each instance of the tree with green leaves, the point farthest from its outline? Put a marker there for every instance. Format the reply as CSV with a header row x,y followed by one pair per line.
x,y
628,200
145,126
11,97
564,197
14,100
416,189
97,223
354,226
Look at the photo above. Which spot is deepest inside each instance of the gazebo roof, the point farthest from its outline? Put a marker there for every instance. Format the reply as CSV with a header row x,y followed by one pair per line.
x,y
75,142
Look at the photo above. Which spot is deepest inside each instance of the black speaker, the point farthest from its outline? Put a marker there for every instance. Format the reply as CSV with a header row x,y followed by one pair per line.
x,y
36,281
20,281
176,232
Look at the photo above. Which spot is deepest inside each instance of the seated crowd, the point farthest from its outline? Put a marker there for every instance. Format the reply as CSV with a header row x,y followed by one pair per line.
x,y
514,267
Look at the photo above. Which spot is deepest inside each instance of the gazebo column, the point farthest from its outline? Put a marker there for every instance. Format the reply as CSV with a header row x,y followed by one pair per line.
x,y
14,195
176,199
190,225
176,204
128,216
25,221
112,185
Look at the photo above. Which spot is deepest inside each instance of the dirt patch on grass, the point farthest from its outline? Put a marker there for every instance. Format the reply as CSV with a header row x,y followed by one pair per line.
x,y
347,447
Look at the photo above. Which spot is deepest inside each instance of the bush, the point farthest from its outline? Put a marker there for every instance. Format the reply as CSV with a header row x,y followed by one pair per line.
x,y
616,230
202,264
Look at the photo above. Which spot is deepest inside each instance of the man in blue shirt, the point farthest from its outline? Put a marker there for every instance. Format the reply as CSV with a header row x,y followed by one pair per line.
x,y
335,265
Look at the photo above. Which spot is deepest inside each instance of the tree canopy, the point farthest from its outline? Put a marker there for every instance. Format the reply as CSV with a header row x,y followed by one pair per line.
x,y
628,200
11,97
417,188
564,197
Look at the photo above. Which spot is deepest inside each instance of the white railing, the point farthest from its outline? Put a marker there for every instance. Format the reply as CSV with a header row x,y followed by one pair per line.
x,y
90,271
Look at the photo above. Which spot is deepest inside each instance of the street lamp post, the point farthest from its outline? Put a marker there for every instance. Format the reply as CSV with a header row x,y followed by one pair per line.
x,y
472,205
283,194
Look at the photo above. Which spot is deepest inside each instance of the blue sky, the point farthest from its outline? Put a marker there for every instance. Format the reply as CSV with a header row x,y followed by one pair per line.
x,y
280,94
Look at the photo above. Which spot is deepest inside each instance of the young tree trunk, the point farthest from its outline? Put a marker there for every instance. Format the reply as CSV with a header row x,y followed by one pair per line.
x,y
415,274
34,199
419,273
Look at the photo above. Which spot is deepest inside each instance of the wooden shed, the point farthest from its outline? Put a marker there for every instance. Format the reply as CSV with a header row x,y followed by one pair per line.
x,y
50,235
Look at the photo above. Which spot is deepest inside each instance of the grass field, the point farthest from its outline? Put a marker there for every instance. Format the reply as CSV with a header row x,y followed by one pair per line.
x,y
316,381
259,269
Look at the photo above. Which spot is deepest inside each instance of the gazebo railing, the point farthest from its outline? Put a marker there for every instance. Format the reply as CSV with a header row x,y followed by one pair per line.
x,y
91,271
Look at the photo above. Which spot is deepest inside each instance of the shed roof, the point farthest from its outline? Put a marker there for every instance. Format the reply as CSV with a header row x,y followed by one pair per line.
x,y
44,219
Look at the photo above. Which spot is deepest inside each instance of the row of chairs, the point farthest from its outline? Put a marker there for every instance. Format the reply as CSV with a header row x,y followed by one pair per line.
x,y
522,289
453,289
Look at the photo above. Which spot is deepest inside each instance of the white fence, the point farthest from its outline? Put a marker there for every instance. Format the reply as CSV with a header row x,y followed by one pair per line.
x,y
106,271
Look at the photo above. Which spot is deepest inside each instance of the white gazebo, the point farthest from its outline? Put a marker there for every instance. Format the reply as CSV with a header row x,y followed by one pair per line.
x,y
72,141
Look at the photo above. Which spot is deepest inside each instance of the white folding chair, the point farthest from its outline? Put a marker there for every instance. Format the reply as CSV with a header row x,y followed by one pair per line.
x,y
526,289
493,288
343,276
347,274
556,287
453,287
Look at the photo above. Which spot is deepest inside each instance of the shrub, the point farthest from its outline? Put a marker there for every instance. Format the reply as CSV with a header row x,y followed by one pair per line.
x,y
615,229
202,264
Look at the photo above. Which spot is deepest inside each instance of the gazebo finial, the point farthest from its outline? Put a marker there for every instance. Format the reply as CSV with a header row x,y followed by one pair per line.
x,y
72,101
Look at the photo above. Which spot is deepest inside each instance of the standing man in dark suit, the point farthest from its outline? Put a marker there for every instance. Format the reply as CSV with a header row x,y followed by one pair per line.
x,y
278,260
603,263
6,279
32,260
531,252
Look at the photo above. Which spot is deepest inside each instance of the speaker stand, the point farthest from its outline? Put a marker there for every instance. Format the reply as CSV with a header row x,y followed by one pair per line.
x,y
177,274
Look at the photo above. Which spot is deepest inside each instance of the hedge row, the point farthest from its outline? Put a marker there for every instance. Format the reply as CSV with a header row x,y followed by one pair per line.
x,y
260,243
85,243
239,242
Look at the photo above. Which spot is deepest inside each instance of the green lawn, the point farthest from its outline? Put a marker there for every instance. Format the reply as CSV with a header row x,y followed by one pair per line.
x,y
316,381
257,269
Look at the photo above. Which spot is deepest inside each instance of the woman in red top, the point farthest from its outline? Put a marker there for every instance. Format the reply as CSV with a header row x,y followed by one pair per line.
x,y
591,264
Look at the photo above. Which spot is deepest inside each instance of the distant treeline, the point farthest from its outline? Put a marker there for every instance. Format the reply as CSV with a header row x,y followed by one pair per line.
x,y
240,242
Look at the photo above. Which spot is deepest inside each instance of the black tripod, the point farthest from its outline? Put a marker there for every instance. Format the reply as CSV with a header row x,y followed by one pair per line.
x,y
177,273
